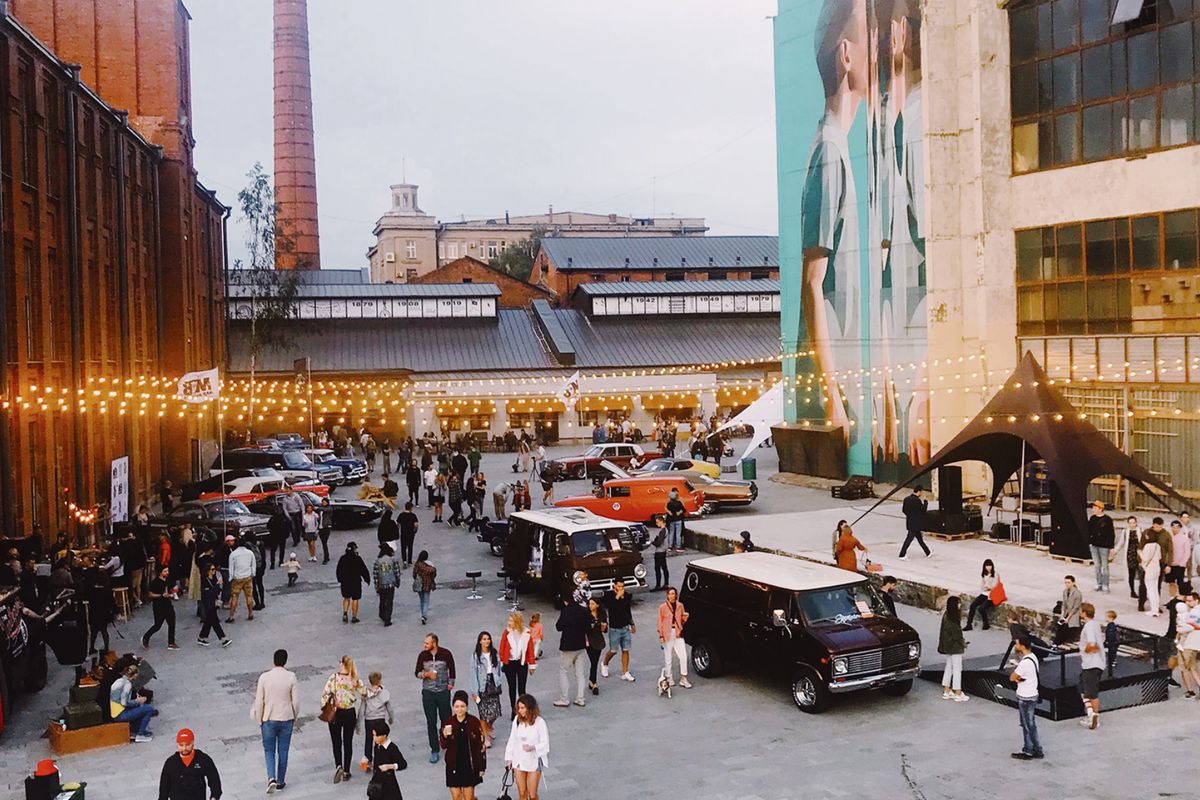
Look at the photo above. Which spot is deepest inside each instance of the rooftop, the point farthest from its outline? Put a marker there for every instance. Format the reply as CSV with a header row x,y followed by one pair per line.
x,y
663,252
237,277
625,288
782,572
381,290
569,520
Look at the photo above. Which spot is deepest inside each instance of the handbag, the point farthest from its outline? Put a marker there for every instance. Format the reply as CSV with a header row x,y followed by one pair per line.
x,y
328,711
997,595
375,787
506,784
416,583
490,689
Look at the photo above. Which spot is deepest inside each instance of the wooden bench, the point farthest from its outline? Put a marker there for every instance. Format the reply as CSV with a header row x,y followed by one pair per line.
x,y
64,742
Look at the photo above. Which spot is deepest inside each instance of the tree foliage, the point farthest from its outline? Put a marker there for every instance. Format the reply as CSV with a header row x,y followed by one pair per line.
x,y
517,259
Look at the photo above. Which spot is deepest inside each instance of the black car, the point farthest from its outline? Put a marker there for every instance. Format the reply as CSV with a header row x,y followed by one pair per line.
x,y
222,515
346,513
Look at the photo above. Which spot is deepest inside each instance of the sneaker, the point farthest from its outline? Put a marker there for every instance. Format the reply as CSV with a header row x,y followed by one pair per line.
x,y
434,756
345,617
961,698
145,643
947,694
202,642
140,739
338,774
604,671
929,554
580,703
172,646
1095,721
271,786
1086,722
685,683
561,704
1022,756
230,620
904,558
1189,695
354,619
226,642
627,677
670,681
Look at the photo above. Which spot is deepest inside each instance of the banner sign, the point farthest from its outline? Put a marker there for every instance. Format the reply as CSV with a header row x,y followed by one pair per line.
x,y
569,392
199,387
119,496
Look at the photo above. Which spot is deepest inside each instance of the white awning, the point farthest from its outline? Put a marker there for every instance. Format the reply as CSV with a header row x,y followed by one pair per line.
x,y
764,412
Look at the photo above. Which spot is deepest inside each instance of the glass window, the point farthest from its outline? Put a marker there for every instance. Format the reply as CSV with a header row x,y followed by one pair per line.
x,y
1066,23
1048,271
1121,252
1100,248
1066,138
1097,132
1045,43
1066,80
1143,61
1045,85
1179,239
1175,52
1024,30
1097,73
1029,253
1178,116
1045,142
1142,123
1120,67
1070,251
842,605
1101,300
1094,16
1176,9
1072,308
1029,304
1145,243
1025,147
1025,90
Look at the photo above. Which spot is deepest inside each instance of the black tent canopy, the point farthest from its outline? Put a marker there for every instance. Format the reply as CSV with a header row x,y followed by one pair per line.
x,y
1029,420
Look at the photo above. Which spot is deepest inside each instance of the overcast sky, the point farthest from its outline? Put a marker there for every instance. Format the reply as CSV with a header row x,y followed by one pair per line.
x,y
498,105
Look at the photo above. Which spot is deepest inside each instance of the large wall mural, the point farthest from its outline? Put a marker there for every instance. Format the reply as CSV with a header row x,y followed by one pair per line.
x,y
852,225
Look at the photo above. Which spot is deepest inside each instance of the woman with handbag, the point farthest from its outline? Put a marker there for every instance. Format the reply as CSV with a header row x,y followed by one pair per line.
x,y
988,581
339,707
424,575
517,657
484,682
528,750
462,737
597,629
388,761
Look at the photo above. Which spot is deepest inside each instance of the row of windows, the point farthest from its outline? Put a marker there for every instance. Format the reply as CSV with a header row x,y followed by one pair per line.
x,y
449,250
1044,29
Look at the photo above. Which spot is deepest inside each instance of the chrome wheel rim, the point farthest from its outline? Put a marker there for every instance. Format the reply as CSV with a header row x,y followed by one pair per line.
x,y
805,692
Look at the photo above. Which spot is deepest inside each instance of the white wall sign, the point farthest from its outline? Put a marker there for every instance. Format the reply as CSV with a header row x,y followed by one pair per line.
x,y
119,495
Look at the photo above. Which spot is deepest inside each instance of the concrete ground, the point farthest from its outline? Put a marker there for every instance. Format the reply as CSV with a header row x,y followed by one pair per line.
x,y
738,737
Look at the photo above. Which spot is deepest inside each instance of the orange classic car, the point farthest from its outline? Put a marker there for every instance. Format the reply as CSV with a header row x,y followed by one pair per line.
x,y
638,499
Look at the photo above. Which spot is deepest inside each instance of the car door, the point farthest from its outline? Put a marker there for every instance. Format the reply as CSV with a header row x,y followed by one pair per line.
x,y
617,499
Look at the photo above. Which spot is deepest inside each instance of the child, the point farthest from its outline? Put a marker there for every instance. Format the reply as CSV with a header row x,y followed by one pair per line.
x,y
293,567
536,634
378,707
1110,639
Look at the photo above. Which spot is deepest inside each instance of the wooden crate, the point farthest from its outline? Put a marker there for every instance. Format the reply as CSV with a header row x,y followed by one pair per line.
x,y
64,742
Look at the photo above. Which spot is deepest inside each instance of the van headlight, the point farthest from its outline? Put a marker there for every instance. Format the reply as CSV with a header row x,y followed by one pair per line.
x,y
577,577
914,651
839,666
639,571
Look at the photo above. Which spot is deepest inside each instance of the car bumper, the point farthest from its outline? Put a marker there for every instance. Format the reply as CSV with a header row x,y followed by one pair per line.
x,y
333,478
606,584
356,474
873,681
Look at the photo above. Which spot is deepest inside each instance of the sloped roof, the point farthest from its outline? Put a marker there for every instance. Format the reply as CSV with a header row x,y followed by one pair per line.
x,y
628,288
310,276
663,252
383,290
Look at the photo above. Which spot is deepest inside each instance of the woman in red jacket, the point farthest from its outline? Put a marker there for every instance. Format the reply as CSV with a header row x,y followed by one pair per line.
x,y
846,545
462,739
517,657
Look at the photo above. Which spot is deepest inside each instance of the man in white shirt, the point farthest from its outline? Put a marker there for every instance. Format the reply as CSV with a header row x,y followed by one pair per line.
x,y
1188,642
1025,675
242,566
1091,661
276,707
430,476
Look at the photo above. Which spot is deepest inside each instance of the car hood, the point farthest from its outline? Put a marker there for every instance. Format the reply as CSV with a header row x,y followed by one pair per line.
x,y
863,634
244,521
355,505
571,460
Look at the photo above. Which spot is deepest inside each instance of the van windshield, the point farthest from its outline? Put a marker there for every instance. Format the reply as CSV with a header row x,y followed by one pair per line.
x,y
585,543
842,605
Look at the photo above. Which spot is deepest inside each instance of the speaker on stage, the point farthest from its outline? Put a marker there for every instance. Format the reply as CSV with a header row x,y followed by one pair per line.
x,y
950,498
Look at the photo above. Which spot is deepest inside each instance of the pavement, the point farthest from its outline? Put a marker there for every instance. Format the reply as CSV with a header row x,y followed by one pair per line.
x,y
738,737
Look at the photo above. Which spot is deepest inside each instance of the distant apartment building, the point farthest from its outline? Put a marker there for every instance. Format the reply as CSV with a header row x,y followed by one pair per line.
x,y
410,243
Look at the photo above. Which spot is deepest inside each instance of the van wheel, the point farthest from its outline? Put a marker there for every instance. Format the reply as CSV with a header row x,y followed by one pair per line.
x,y
497,546
706,659
898,688
581,472
809,692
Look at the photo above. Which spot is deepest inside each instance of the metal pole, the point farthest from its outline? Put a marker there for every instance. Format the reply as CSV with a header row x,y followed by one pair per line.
x,y
1021,497
312,434
221,445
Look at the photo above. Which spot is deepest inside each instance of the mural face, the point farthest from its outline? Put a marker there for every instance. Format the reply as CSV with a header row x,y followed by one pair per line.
x,y
852,225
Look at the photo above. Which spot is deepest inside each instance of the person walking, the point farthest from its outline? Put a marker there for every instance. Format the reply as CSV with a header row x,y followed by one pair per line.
x,y
279,527
276,708
187,770
595,640
389,531
671,619
258,590
293,506
412,480
517,657
455,498
1025,675
528,750
429,476
241,577
1101,539
326,512
1150,558
310,525
409,525
210,591
346,692
463,739
847,544
126,706
1133,555
377,712
988,580
618,608
388,761
662,573
915,507
387,573
351,574
952,645
523,454
573,623
435,668
292,568
424,582
1181,555
675,516
1091,664
439,496
483,679
164,611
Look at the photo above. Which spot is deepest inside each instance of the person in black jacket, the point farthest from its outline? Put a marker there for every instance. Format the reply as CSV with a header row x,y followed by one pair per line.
x,y
352,572
279,527
184,774
389,531
914,508
260,567
412,480
574,622
210,592
1102,536
388,761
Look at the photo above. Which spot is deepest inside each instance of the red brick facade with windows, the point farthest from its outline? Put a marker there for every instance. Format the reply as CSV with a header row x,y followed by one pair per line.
x,y
513,293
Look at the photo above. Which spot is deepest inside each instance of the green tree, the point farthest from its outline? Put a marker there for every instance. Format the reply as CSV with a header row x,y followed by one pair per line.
x,y
517,259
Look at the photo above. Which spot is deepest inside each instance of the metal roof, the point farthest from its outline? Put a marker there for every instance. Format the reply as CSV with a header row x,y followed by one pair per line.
x,y
627,288
658,341
382,290
569,520
790,574
402,345
311,276
663,252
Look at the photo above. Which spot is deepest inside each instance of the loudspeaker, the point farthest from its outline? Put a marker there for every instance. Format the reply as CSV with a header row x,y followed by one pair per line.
x,y
950,499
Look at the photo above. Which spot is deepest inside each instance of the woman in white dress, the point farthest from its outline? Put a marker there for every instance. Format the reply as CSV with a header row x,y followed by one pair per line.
x,y
528,747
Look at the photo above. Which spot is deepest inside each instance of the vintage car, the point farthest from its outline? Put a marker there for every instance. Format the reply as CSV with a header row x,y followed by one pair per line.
x,y
289,441
353,469
717,493
680,465
588,464
222,515
347,514
826,628
551,549
294,466
638,499
248,489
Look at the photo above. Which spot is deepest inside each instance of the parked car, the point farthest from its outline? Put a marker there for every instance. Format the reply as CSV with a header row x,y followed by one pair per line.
x,y
248,489
719,494
680,465
293,465
354,470
827,628
638,499
290,441
550,550
588,464
346,513
223,515
494,534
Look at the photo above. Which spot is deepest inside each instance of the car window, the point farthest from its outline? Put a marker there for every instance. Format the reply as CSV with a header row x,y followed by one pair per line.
x,y
617,491
585,543
188,512
688,486
842,605
226,509
296,460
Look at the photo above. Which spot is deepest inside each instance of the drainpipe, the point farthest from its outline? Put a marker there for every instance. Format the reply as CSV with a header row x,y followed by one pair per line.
x,y
123,281
8,516
75,282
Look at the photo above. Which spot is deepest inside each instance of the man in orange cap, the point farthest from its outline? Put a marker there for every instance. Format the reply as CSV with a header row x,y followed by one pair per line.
x,y
185,773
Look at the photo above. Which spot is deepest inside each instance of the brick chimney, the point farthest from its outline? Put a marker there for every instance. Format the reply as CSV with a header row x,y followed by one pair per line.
x,y
295,158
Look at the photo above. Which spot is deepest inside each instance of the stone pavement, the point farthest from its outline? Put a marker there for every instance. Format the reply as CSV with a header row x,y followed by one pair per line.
x,y
735,738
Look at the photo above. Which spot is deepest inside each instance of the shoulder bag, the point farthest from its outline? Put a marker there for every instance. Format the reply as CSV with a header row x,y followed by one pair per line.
x,y
997,595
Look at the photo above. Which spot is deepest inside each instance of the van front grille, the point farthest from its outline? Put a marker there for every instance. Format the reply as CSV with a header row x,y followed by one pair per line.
x,y
885,659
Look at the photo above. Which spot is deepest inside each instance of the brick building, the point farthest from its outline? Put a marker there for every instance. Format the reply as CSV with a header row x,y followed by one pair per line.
x,y
514,293
113,254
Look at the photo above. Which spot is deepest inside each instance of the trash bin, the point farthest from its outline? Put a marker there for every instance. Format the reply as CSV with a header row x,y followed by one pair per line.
x,y
749,469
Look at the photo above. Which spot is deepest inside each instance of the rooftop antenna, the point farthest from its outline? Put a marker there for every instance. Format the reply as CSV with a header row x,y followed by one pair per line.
x,y
404,170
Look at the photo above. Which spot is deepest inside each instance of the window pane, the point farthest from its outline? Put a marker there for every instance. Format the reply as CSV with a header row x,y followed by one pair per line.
x,y
1125,305
1023,33
1072,308
1101,300
1097,133
1142,124
1066,139
1045,143
1145,243
1066,20
1024,90
1177,116
1093,19
1175,52
1029,251
1097,73
1120,67
1045,85
1175,9
1025,147
1048,271
1070,251
1143,61
1121,250
1100,248
1066,80
1029,304
1044,42
1179,239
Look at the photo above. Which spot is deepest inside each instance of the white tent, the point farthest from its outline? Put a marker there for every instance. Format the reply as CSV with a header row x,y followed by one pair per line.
x,y
760,415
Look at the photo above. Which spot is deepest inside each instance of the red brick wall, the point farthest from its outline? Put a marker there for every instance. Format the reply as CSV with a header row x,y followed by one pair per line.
x,y
513,293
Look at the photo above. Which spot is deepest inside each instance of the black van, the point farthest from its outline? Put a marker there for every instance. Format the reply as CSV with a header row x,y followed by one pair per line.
x,y
826,627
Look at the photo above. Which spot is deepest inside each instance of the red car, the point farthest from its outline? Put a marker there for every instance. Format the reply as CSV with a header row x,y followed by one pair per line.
x,y
639,498
588,464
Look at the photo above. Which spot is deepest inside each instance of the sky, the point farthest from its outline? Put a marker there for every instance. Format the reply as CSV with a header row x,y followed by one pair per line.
x,y
624,106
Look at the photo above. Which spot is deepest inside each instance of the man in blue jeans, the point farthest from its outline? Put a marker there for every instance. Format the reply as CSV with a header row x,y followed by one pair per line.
x,y
276,706
125,706
1026,677
675,515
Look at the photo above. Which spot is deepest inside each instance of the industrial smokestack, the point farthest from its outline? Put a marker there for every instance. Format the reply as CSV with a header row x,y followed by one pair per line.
x,y
298,243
